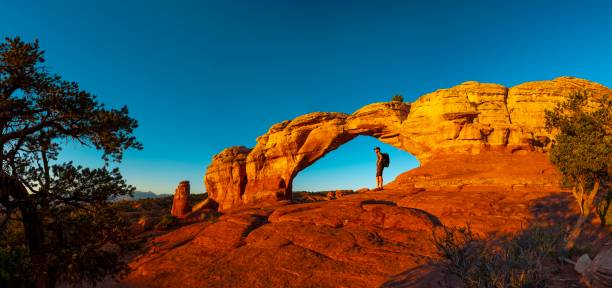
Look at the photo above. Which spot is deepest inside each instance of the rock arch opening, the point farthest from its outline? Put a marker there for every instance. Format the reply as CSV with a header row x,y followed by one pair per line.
x,y
352,166
464,121
241,175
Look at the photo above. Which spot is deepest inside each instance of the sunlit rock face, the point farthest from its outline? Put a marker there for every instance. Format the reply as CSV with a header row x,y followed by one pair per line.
x,y
463,120
239,175
226,177
180,203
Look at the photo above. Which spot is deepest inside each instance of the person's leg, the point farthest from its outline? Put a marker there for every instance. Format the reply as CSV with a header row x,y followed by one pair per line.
x,y
377,177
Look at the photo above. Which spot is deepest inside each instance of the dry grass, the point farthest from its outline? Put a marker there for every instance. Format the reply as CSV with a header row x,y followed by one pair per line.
x,y
521,260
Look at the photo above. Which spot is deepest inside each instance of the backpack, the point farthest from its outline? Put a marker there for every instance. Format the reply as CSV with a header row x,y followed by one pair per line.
x,y
385,160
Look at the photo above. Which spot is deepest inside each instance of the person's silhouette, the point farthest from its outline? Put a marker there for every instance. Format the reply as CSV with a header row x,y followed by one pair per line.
x,y
379,169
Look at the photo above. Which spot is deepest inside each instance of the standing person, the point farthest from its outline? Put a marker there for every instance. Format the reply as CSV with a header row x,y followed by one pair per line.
x,y
379,169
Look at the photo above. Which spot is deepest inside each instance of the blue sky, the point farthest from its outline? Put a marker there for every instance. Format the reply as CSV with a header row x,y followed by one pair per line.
x,y
200,76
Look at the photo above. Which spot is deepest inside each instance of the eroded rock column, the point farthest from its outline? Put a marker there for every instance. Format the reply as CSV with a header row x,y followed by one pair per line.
x,y
180,203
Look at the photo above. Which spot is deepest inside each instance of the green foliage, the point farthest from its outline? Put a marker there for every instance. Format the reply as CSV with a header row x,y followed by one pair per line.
x,y
15,269
397,98
81,256
519,261
54,217
583,146
83,237
582,150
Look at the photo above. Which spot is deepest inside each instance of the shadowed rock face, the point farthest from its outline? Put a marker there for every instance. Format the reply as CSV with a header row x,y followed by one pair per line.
x,y
462,120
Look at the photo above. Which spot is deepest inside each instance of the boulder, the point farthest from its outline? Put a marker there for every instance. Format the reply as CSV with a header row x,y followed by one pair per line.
x,y
597,272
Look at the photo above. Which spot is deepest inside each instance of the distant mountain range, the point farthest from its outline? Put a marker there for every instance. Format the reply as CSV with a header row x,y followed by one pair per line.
x,y
141,195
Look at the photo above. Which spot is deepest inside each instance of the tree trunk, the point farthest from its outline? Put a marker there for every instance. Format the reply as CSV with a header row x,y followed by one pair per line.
x,y
570,241
34,235
32,225
591,202
586,211
604,212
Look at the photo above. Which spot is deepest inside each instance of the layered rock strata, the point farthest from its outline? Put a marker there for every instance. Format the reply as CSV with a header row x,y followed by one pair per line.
x,y
463,120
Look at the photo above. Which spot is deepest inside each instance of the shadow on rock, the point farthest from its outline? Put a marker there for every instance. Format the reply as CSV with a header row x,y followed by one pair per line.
x,y
555,209
528,258
429,275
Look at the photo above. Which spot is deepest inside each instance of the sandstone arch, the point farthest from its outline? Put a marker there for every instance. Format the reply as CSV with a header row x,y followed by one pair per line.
x,y
241,175
462,120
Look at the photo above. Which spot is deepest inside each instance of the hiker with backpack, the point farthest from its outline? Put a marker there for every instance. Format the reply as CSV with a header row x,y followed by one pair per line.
x,y
382,161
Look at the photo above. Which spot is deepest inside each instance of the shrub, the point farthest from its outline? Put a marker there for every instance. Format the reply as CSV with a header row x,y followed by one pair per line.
x,y
397,98
165,222
514,262
15,267
582,150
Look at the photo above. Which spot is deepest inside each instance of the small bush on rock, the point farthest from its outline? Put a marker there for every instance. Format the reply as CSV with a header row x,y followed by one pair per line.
x,y
518,261
398,98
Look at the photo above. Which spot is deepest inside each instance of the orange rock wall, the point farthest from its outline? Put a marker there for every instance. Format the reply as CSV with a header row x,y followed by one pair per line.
x,y
462,120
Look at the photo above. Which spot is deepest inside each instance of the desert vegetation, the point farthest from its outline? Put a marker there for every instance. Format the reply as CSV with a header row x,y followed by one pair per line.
x,y
55,218
526,259
397,98
151,214
582,151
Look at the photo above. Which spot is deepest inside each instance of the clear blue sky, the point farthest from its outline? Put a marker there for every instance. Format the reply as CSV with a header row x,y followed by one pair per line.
x,y
200,76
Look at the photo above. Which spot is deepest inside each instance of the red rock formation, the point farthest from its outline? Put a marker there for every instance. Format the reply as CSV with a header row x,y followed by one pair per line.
x,y
481,164
463,120
498,170
226,177
368,239
180,203
239,175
